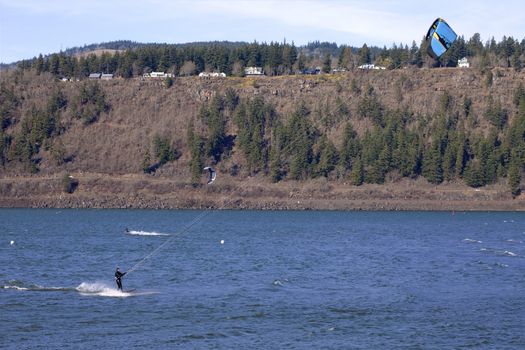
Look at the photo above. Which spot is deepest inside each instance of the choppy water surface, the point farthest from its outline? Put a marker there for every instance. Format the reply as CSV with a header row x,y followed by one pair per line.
x,y
280,280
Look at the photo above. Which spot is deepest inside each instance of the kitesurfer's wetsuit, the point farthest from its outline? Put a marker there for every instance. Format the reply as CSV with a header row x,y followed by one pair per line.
x,y
118,278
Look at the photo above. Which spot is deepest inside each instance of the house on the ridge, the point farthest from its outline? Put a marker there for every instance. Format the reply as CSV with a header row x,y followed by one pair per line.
x,y
157,75
463,63
370,66
160,75
253,71
95,75
106,76
212,75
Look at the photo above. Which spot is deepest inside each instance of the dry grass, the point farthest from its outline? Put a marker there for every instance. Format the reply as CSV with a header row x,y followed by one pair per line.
x,y
113,148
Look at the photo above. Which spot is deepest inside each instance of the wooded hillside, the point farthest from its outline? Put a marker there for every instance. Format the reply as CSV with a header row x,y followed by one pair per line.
x,y
441,127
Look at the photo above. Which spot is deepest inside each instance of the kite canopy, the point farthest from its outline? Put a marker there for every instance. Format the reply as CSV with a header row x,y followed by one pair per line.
x,y
211,174
440,38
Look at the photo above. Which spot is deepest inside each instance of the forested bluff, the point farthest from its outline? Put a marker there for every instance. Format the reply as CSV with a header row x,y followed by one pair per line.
x,y
401,139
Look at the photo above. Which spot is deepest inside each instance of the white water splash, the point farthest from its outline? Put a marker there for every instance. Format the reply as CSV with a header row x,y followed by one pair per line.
x,y
100,289
16,287
509,253
145,233
20,286
499,252
469,240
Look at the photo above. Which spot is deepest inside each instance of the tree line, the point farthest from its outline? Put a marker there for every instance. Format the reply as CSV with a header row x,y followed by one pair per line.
x,y
276,58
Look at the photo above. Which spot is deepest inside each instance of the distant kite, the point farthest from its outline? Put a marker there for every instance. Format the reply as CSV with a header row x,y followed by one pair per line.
x,y
439,38
211,174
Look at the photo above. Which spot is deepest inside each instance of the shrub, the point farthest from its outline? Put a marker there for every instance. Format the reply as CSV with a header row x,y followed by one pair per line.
x,y
69,183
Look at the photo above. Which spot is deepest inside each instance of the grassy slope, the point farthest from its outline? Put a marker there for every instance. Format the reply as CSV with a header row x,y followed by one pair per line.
x,y
108,154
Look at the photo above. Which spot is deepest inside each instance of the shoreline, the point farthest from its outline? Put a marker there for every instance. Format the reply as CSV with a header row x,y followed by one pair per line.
x,y
131,191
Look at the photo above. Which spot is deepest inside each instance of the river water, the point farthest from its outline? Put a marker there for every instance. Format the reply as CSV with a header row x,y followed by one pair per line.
x,y
262,280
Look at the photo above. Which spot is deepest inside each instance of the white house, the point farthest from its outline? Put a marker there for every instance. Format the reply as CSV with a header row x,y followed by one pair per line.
x,y
370,66
95,75
212,75
157,75
107,76
253,71
463,63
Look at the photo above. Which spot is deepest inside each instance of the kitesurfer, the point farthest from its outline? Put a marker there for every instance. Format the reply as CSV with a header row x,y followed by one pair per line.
x,y
118,278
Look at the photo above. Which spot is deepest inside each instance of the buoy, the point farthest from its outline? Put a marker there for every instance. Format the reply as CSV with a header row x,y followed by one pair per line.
x,y
222,241
12,242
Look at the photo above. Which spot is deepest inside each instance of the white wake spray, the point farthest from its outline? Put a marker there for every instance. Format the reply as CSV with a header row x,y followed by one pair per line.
x,y
100,289
145,233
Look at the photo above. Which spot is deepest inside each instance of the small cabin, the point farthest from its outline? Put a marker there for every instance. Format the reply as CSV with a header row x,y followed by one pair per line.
x,y
212,75
463,63
95,75
370,66
253,71
107,76
157,75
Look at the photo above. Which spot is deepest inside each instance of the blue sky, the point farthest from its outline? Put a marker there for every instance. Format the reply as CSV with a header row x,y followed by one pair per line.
x,y
30,27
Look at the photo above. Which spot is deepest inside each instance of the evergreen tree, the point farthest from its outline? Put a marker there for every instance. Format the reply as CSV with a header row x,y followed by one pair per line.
x,y
252,120
357,174
163,150
449,164
460,160
345,58
327,63
39,64
5,141
364,55
350,147
328,157
301,139
146,162
195,146
473,175
514,176
216,123
301,63
369,106
231,99
496,114
90,102
383,163
58,152
9,103
432,165
275,163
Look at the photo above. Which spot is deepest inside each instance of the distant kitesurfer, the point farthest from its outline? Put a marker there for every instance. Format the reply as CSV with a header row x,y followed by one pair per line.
x,y
118,278
127,230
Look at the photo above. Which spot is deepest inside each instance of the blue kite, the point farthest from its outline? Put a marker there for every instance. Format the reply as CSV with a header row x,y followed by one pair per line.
x,y
439,37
